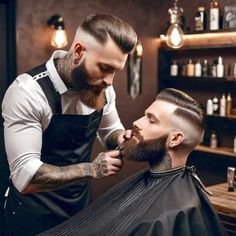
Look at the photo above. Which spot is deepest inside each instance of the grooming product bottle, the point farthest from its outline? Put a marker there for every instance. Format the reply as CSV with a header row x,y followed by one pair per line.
x,y
220,68
215,101
209,107
190,68
223,106
198,69
213,141
200,19
205,68
230,178
228,105
214,15
174,69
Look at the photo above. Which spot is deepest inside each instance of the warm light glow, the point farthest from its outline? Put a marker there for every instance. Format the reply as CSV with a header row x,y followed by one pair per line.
x,y
139,50
175,36
59,38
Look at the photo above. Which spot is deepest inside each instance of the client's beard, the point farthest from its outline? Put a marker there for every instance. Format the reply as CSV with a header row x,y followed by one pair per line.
x,y
90,93
152,151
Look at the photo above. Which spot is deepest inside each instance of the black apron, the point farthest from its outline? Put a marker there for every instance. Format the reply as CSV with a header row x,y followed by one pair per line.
x,y
67,140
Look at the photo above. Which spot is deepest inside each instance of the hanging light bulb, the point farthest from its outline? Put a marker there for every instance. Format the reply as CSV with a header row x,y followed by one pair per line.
x,y
175,34
59,38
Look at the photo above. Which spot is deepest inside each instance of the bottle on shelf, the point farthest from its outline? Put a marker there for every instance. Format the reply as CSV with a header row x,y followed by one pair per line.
x,y
220,68
235,144
198,69
228,105
215,101
230,178
200,19
209,107
184,69
190,68
214,69
174,69
234,71
205,68
213,140
214,15
223,106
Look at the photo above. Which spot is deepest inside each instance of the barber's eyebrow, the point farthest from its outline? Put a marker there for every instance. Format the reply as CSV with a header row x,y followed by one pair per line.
x,y
108,67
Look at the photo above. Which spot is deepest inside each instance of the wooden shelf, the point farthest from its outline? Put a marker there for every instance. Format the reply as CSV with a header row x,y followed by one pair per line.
x,y
199,79
205,40
229,117
219,150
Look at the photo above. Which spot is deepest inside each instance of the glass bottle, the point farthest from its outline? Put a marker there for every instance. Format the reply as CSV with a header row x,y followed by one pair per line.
x,y
190,68
200,19
174,69
213,141
215,101
214,15
228,105
198,69
205,68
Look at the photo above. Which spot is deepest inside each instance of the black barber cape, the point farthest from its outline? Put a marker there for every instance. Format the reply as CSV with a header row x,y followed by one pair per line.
x,y
163,204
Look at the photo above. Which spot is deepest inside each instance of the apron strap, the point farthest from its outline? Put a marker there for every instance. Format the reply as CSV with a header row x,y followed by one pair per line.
x,y
41,75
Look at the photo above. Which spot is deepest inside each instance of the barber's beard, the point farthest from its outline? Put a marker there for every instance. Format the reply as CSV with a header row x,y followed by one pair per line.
x,y
152,151
90,92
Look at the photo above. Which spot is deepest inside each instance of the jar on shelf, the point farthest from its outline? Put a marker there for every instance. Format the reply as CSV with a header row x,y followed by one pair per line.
x,y
200,19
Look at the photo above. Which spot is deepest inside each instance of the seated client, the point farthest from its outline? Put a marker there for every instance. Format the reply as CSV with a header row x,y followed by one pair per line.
x,y
168,198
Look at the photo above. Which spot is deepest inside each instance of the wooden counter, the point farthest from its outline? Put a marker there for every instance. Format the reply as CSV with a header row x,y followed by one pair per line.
x,y
225,204
223,201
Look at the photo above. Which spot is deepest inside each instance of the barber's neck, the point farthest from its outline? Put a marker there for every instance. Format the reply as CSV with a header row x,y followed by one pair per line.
x,y
63,67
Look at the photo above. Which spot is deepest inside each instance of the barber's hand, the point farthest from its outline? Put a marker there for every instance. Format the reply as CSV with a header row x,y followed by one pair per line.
x,y
106,164
124,137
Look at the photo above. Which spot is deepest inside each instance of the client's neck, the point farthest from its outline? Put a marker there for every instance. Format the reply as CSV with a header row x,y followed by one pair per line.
x,y
165,164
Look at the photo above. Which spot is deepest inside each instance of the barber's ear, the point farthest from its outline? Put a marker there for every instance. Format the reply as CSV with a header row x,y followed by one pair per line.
x,y
78,52
175,139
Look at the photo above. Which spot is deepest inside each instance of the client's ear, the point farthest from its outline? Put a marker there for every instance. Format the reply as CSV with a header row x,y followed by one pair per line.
x,y
175,138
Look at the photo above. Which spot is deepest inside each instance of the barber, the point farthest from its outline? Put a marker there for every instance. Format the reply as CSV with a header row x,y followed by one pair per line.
x,y
52,115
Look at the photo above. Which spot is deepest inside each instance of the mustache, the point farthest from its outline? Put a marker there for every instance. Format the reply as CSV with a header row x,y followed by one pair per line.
x,y
136,137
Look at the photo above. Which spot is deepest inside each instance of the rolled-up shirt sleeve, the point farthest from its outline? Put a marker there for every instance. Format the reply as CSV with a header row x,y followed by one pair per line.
x,y
110,120
22,113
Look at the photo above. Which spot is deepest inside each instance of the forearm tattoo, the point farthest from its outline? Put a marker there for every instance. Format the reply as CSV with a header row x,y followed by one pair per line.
x,y
112,139
49,177
100,166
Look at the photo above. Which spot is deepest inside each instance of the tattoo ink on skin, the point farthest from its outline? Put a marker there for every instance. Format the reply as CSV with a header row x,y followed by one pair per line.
x,y
100,166
165,164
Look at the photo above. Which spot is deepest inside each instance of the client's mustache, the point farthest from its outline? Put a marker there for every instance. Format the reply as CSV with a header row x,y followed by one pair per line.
x,y
136,137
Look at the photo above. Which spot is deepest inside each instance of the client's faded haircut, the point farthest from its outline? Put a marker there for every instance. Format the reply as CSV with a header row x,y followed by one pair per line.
x,y
188,108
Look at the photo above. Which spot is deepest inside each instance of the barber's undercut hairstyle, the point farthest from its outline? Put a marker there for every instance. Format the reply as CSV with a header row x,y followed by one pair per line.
x,y
102,26
189,109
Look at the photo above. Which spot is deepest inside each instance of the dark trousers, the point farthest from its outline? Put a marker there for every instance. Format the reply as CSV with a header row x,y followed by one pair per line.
x,y
19,221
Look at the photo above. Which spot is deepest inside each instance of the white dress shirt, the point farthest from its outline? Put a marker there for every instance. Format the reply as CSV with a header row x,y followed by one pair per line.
x,y
27,114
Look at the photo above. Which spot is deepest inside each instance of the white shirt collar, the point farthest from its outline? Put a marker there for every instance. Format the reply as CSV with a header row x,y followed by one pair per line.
x,y
54,76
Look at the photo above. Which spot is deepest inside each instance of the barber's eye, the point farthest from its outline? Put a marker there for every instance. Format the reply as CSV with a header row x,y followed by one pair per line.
x,y
106,69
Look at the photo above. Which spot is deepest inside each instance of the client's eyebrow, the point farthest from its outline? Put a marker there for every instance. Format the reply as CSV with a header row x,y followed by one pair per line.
x,y
152,116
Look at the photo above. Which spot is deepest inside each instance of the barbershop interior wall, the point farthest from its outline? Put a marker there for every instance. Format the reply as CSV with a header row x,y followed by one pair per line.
x,y
149,19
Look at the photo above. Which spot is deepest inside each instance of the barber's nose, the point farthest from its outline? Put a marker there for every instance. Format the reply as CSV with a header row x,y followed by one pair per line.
x,y
108,79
